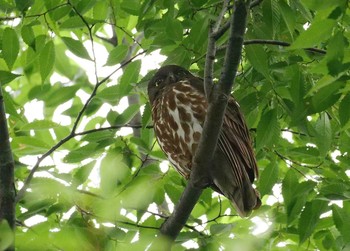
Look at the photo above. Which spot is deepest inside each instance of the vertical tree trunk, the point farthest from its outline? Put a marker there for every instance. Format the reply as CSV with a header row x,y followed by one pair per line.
x,y
7,189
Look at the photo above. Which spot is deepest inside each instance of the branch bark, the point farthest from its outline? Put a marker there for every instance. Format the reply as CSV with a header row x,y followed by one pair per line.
x,y
217,105
7,187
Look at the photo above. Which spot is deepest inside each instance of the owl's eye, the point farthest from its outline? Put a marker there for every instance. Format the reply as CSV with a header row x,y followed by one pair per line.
x,y
158,82
181,73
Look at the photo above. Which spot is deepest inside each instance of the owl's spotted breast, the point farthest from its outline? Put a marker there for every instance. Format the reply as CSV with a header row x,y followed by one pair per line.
x,y
179,108
178,118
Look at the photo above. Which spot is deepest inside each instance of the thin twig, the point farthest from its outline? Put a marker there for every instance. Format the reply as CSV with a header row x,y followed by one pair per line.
x,y
296,162
72,134
89,27
35,15
211,51
281,43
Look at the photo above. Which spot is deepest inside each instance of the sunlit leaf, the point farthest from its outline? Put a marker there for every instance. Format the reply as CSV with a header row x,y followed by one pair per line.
x,y
28,35
317,32
7,236
76,47
47,60
268,129
74,22
130,74
341,217
82,173
220,228
6,77
39,125
310,217
116,55
324,134
10,46
127,115
268,178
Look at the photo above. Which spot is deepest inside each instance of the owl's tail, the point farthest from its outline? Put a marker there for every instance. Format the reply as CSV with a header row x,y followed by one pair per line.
x,y
241,193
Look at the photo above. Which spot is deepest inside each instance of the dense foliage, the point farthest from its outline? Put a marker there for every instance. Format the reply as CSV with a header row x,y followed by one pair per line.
x,y
98,186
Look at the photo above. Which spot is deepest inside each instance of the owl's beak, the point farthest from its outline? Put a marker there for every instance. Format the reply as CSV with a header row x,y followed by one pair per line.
x,y
171,78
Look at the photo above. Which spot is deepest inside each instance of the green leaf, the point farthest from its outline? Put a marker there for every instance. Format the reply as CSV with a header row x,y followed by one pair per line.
x,y
74,22
344,111
220,228
288,16
76,47
258,59
147,114
289,183
47,60
28,35
324,134
7,77
81,153
66,94
316,33
271,15
295,194
127,114
29,145
23,5
7,237
268,178
131,73
99,136
267,130
84,6
131,6
173,192
174,29
116,55
341,217
81,174
310,217
10,105
336,191
111,94
335,48
10,46
39,125
57,14
199,33
326,97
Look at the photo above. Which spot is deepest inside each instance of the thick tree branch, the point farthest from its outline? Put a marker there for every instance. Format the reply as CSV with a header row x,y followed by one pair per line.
x,y
204,155
7,187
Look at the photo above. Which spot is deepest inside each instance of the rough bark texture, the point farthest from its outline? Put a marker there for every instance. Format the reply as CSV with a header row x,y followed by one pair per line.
x,y
7,188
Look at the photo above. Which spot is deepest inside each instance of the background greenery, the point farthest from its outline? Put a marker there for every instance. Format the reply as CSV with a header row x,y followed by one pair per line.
x,y
296,102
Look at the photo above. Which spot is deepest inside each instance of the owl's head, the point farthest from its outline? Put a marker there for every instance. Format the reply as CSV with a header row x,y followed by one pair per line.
x,y
166,75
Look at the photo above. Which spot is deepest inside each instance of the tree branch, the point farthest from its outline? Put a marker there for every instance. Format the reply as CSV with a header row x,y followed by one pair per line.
x,y
204,154
7,187
73,133
281,43
215,33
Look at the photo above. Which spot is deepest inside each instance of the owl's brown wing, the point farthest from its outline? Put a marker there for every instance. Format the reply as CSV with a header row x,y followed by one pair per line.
x,y
235,165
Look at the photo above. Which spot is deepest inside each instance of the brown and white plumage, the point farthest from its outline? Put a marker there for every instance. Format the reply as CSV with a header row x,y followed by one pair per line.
x,y
179,107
